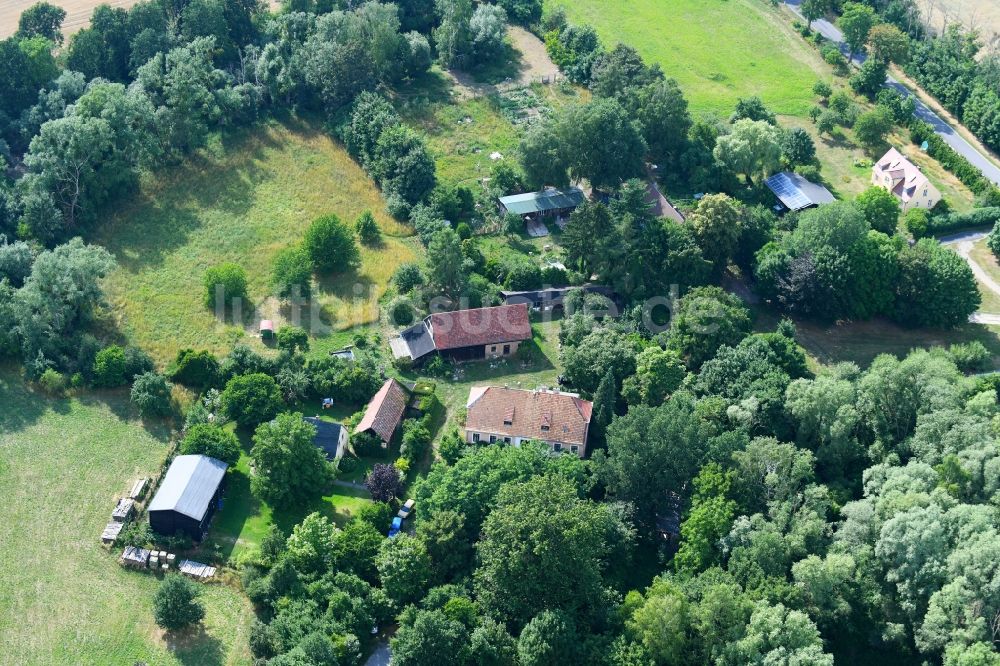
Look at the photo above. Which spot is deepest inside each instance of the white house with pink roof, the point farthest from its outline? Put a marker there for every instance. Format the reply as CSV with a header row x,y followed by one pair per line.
x,y
901,177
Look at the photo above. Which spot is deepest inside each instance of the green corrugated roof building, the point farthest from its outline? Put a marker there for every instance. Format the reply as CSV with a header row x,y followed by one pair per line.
x,y
544,202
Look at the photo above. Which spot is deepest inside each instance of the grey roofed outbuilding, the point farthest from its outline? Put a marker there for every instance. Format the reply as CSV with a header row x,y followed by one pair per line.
x,y
414,342
543,202
797,193
189,486
329,436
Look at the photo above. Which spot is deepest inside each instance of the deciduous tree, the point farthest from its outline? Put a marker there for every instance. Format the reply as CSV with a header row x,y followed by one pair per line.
x,y
290,469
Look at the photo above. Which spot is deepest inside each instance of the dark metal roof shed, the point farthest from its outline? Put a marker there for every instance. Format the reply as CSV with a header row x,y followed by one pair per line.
x,y
327,435
189,485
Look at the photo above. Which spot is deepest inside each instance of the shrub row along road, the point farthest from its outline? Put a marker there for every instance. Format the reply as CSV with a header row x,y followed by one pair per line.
x,y
923,112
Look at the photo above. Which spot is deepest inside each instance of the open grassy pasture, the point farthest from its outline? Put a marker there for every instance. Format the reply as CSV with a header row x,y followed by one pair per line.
x,y
242,199
718,50
63,597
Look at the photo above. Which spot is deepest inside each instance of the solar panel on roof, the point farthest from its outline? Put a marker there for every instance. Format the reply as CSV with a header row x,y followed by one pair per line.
x,y
788,191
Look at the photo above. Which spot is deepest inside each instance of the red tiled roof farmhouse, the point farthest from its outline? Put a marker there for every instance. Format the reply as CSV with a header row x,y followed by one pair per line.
x,y
384,411
482,326
543,415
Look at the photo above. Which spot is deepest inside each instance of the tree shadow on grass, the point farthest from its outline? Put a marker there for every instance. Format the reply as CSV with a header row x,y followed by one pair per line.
x,y
416,98
195,647
149,226
238,505
22,405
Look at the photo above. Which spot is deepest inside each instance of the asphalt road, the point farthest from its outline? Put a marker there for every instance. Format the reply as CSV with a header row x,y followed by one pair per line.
x,y
941,127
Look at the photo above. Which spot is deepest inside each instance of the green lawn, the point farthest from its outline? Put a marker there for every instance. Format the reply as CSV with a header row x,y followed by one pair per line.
x,y
718,50
244,520
63,597
242,199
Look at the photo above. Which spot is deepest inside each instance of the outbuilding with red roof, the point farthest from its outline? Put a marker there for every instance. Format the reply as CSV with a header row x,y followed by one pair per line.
x,y
466,335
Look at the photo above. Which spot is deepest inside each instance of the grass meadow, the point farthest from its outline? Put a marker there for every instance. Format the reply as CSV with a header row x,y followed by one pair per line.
x,y
63,597
718,50
242,199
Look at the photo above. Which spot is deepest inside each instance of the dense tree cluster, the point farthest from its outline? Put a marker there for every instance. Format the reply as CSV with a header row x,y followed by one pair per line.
x,y
947,67
835,266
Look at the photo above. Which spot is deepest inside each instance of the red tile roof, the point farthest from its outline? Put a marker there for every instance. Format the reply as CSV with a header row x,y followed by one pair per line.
x,y
482,326
384,411
567,415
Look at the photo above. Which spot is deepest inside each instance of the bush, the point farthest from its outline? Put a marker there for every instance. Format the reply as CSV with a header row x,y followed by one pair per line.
x,y
416,437
292,268
151,394
832,55
365,443
377,514
197,369
331,245
138,533
251,399
438,367
407,276
464,231
978,217
109,367
822,90
292,339
917,222
213,441
971,356
137,362
367,229
176,604
53,382
451,447
993,240
230,278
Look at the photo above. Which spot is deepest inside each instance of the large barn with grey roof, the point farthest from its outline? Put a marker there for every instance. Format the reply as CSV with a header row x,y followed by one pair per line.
x,y
188,496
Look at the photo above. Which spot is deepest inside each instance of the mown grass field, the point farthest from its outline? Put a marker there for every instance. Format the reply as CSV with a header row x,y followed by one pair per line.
x,y
63,597
718,50
242,199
